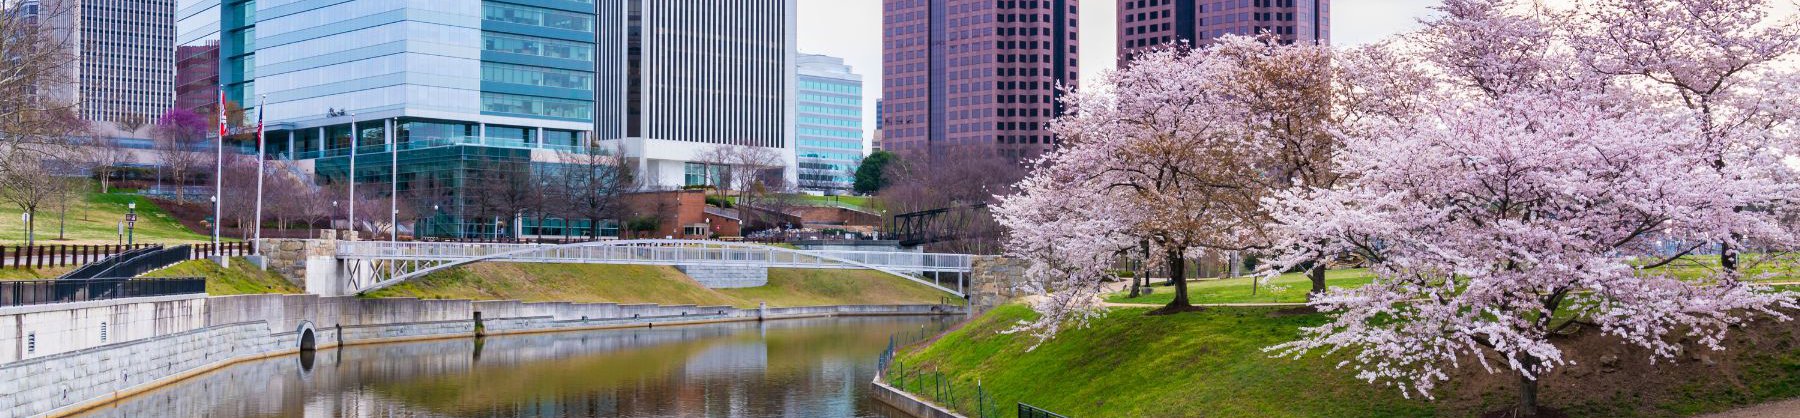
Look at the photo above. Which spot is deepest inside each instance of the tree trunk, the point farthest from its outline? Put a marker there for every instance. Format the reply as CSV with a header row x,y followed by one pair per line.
x,y
1178,275
1134,283
1316,274
1728,258
1528,391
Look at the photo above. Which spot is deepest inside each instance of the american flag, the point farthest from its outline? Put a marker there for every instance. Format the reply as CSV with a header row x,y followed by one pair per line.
x,y
222,131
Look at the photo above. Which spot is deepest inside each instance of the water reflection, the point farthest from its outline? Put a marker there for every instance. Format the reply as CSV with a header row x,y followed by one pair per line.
x,y
798,368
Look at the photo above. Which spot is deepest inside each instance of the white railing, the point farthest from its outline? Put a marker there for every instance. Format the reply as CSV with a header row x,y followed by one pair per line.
x,y
658,252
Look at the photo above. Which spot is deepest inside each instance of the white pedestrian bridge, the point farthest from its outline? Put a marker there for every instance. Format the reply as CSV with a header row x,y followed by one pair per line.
x,y
374,265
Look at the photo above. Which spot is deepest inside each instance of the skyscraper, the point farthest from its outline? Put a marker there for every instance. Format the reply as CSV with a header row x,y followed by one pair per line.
x,y
124,55
975,73
1154,23
680,78
829,138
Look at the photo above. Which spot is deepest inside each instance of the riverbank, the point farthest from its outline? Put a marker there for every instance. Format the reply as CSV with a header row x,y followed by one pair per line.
x,y
75,365
1211,363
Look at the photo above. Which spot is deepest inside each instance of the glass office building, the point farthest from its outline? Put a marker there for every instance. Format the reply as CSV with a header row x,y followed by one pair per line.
x,y
461,90
829,139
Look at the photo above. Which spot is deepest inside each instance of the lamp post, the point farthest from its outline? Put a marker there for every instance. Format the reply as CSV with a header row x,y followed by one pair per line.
x,y
131,223
25,221
334,207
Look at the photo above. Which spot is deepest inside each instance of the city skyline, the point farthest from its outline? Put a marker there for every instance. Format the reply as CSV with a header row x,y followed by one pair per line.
x,y
852,29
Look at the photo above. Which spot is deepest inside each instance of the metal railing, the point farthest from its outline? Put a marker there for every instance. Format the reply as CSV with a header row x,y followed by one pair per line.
x,y
95,269
40,292
659,252
932,384
1028,411
147,262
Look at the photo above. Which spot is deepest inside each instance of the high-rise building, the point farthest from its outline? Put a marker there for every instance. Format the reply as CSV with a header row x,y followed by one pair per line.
x,y
829,126
124,61
467,93
975,74
1145,24
679,79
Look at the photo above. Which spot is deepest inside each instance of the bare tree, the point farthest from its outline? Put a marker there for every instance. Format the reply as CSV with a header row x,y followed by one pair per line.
x,y
180,136
955,178
595,182
102,155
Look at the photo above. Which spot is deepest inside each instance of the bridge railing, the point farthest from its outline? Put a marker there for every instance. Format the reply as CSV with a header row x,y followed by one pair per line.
x,y
672,253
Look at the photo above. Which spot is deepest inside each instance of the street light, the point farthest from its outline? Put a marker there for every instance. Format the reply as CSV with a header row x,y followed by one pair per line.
x,y
131,223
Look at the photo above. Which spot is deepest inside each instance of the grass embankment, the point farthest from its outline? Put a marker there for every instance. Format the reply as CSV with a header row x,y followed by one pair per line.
x,y
94,219
602,283
10,273
1211,363
243,278
1287,288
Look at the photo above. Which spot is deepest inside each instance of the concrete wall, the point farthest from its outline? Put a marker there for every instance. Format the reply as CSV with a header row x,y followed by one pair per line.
x,y
28,332
908,403
169,339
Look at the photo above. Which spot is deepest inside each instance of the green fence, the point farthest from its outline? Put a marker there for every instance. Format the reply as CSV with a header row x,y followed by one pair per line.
x,y
933,385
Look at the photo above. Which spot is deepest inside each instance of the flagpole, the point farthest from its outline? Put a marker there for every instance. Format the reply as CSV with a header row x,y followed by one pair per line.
x,y
393,183
353,144
261,150
219,172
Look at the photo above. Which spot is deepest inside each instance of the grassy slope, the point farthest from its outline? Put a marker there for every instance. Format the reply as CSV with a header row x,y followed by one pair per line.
x,y
94,220
242,278
10,273
802,287
655,284
1211,363
1290,287
1130,365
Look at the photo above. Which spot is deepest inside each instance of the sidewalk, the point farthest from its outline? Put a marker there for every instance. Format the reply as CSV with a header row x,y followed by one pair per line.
x,y
1777,409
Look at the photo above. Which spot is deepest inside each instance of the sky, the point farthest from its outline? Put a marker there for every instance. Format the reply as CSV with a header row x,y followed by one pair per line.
x,y
851,29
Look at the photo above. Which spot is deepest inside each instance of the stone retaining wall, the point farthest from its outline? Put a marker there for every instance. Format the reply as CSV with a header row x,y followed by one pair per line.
x,y
906,402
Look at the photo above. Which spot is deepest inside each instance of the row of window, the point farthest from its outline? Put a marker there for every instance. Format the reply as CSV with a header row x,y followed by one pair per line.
x,y
536,106
813,143
537,76
553,19
828,133
543,47
813,120
828,110
830,87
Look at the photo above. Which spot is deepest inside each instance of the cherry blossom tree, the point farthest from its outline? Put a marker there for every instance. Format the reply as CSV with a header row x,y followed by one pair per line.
x,y
1528,199
1146,159
1718,60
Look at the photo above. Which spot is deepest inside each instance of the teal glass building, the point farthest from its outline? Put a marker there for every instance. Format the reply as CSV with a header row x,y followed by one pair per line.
x,y
465,91
829,141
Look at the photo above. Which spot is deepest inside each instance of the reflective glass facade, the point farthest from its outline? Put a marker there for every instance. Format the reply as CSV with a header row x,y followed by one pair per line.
x,y
829,123
460,89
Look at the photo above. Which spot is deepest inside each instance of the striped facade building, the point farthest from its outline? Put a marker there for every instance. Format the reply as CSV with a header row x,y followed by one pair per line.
x,y
682,77
124,66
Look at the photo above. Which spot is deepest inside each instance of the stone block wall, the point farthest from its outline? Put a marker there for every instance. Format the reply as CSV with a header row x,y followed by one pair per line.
x,y
293,258
727,277
993,281
28,332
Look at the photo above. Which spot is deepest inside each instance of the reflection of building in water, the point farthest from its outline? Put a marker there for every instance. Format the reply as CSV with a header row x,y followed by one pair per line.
x,y
797,368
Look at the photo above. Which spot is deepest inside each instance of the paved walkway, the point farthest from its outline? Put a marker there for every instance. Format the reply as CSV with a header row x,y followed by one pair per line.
x,y
1777,409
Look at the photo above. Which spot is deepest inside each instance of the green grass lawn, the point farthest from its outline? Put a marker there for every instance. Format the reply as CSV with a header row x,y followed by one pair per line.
x,y
243,278
1212,364
1290,287
1208,363
601,283
810,287
93,219
863,202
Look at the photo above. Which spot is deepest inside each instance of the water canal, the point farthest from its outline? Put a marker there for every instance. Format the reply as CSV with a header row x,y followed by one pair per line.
x,y
791,368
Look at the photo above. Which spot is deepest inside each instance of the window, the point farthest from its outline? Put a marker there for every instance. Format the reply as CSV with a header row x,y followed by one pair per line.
x,y
537,106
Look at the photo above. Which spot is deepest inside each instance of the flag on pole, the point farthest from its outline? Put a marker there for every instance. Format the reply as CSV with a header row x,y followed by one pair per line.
x,y
222,130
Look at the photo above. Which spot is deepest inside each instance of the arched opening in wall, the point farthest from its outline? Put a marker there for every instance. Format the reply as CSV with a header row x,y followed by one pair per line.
x,y
306,340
